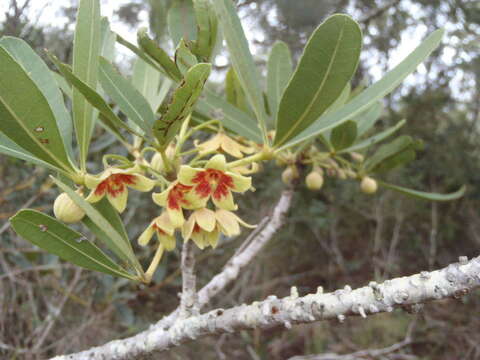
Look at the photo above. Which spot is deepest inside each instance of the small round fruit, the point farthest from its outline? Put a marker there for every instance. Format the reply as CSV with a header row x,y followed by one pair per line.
x,y
66,210
314,181
289,175
368,185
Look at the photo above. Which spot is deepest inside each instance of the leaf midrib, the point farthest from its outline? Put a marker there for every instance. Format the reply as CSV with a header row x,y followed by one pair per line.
x,y
309,107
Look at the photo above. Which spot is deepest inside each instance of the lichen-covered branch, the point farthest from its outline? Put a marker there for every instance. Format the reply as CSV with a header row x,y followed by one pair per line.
x,y
188,301
455,280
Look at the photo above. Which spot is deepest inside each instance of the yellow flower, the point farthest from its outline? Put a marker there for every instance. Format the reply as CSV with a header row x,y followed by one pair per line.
x,y
214,181
113,183
204,226
163,228
222,142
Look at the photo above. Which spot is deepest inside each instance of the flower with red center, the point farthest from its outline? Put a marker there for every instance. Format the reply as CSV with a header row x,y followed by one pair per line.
x,y
163,228
222,142
204,226
176,197
214,181
113,183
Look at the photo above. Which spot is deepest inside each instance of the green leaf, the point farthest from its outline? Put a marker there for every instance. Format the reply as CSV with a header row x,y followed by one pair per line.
x,y
35,131
181,21
9,148
45,81
113,240
63,84
108,117
183,100
147,80
387,151
124,94
374,139
328,63
207,28
234,91
279,71
139,52
158,54
86,50
241,58
394,161
367,119
108,40
425,195
56,238
184,57
341,100
372,94
344,135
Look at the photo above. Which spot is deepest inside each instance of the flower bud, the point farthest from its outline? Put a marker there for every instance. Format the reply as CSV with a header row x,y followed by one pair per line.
x,y
314,181
357,157
158,164
341,174
368,185
289,175
66,210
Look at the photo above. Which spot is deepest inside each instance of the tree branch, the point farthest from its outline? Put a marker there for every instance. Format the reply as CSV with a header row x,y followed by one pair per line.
x,y
455,281
188,302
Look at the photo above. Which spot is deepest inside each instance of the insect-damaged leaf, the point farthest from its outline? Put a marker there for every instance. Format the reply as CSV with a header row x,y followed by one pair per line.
x,y
183,100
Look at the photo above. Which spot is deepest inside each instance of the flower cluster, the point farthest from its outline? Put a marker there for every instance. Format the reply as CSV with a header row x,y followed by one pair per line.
x,y
191,192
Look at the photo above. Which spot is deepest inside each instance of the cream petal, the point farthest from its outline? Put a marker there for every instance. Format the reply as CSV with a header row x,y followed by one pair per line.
x,y
161,198
217,162
93,197
92,181
205,218
169,242
187,174
212,238
176,217
231,147
119,201
187,228
225,202
164,223
147,234
194,201
142,183
199,239
240,183
228,222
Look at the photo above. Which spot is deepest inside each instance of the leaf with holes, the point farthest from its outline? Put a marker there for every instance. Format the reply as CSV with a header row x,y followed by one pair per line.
x,y
56,238
207,28
328,63
184,57
183,100
27,118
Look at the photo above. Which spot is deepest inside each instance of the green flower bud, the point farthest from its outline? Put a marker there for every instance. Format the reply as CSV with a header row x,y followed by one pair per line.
x,y
289,175
314,181
368,185
158,164
66,210
357,157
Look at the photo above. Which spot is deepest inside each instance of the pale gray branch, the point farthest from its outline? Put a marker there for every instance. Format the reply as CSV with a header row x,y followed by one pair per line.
x,y
188,301
455,280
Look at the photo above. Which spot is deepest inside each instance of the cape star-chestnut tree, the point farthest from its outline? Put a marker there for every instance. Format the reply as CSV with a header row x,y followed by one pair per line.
x,y
308,120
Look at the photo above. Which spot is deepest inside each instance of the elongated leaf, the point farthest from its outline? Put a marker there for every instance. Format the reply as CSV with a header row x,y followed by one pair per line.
x,y
367,119
395,161
372,94
344,135
56,238
207,28
234,91
26,117
124,94
63,84
374,139
184,57
341,100
328,63
388,150
425,195
182,103
151,48
241,58
108,40
147,81
9,148
108,117
279,71
210,104
181,21
113,240
86,50
45,81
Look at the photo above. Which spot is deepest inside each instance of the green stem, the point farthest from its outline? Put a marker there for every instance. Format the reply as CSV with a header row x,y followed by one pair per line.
x,y
248,160
154,264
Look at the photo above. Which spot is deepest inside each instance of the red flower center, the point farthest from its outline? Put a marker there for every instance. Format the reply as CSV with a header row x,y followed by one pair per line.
x,y
157,229
176,196
115,184
196,228
212,182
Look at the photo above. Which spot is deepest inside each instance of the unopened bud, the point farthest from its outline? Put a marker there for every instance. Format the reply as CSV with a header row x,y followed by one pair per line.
x,y
289,175
158,164
341,174
351,174
368,185
357,157
66,210
314,181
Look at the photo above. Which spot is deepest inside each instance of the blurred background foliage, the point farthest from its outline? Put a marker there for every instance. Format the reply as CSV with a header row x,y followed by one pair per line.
x,y
334,237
